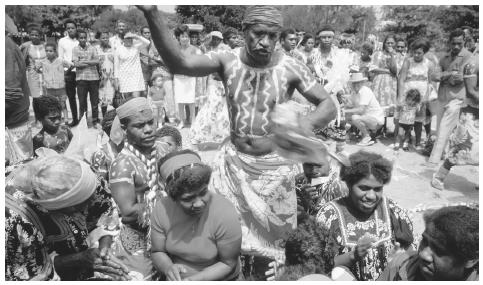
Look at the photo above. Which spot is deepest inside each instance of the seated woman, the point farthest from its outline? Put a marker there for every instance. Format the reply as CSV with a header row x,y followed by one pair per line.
x,y
366,224
195,234
65,203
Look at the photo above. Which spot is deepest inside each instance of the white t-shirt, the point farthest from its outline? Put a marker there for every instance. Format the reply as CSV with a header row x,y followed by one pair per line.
x,y
65,47
365,97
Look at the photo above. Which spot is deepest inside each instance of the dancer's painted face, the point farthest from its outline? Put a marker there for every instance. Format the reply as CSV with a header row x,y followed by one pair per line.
x,y
261,40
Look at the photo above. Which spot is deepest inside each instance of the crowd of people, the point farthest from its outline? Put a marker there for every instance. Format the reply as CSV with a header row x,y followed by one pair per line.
x,y
277,202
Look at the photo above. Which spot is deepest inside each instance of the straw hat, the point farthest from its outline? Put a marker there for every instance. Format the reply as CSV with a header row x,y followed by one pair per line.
x,y
357,77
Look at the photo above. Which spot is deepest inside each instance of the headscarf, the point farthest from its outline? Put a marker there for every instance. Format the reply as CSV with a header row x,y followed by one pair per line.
x,y
128,109
176,162
262,14
45,190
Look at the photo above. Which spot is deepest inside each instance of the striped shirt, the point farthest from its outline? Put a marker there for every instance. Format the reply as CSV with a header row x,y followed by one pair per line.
x,y
88,53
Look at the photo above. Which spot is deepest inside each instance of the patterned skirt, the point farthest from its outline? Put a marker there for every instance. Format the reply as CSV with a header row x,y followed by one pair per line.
x,y
464,140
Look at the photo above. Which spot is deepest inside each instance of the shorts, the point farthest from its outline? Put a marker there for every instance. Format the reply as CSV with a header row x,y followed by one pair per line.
x,y
406,127
371,122
59,94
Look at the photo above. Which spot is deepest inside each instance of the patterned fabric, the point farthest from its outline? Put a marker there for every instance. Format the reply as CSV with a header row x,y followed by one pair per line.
x,y
389,223
26,256
323,63
127,67
407,114
464,140
101,160
418,77
384,85
262,191
88,53
67,234
53,73
106,85
58,141
329,189
34,54
212,123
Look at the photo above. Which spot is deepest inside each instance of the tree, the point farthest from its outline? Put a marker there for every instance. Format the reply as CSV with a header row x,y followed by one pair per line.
x,y
213,17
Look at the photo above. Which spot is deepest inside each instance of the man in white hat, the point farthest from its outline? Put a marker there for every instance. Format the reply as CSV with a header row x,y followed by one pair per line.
x,y
366,114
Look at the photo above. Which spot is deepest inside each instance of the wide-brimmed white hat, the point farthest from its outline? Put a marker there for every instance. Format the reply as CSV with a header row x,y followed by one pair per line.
x,y
216,34
357,77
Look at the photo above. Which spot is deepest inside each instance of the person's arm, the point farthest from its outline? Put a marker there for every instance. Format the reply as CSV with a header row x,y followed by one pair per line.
x,y
76,61
471,82
312,91
61,51
401,79
94,58
123,192
141,42
168,48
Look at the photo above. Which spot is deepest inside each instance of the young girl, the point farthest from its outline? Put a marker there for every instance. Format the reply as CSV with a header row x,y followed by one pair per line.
x,y
407,113
157,96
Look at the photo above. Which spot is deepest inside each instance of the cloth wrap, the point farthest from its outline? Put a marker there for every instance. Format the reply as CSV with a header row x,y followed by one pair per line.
x,y
261,14
128,109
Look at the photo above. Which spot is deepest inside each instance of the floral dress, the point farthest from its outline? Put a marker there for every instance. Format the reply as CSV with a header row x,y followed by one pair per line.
x,y
34,54
58,141
106,84
64,234
384,85
388,224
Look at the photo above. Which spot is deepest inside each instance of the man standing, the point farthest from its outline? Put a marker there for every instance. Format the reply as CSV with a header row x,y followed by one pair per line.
x,y
257,78
230,37
144,54
288,41
324,57
66,46
451,93
18,135
85,60
448,251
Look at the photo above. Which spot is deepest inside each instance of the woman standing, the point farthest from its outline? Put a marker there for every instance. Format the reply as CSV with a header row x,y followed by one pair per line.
x,y
106,63
196,234
416,74
185,87
367,225
127,66
34,54
384,83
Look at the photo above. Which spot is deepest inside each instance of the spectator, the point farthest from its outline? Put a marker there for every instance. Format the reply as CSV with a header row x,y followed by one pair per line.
x,y
66,46
185,87
367,114
401,53
85,60
416,73
230,37
191,240
407,115
34,53
52,70
144,54
448,251
157,96
288,41
306,49
52,135
325,55
171,136
17,102
106,68
364,62
451,93
366,224
384,83
116,40
128,73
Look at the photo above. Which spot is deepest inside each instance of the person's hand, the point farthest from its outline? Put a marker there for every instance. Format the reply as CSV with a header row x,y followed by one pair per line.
x,y
397,249
173,273
312,190
363,246
273,270
109,265
146,8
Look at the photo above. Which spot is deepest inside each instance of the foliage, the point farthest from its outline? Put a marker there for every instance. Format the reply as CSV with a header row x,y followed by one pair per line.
x,y
212,17
431,22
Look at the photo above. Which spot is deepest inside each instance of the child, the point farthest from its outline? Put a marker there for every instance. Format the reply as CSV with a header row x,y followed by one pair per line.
x,y
52,69
171,137
157,96
407,115
52,135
